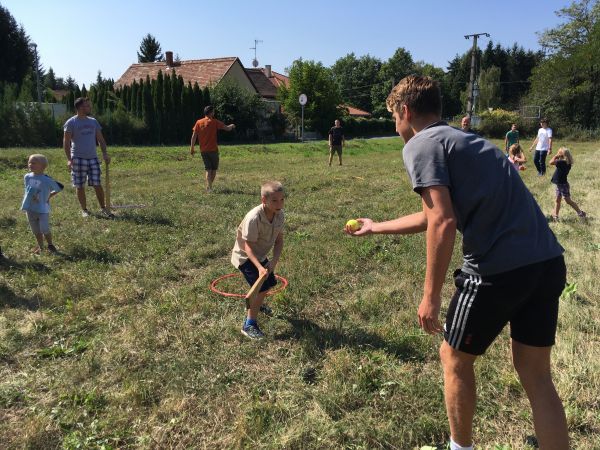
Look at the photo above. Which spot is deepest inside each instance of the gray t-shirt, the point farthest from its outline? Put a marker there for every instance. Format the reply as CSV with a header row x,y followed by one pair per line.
x,y
502,226
83,136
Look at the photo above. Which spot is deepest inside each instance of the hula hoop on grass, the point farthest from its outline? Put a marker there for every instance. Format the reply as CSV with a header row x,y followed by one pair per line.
x,y
216,281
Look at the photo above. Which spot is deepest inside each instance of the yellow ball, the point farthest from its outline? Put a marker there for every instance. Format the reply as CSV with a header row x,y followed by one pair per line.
x,y
353,225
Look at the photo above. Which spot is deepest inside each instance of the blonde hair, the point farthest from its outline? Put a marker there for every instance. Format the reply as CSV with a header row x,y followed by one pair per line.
x,y
270,187
515,150
421,94
39,158
567,155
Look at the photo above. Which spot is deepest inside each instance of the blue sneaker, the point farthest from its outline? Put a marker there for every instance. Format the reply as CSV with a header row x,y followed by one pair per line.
x,y
252,331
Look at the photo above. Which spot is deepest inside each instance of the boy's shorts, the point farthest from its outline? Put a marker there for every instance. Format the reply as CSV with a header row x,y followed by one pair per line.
x,y
526,297
335,149
563,190
211,160
38,222
250,272
85,168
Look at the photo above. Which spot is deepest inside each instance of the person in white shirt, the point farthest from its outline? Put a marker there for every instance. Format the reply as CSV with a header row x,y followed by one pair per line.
x,y
543,146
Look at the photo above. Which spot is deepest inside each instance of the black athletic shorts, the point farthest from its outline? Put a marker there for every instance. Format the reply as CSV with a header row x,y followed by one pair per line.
x,y
211,160
526,297
250,273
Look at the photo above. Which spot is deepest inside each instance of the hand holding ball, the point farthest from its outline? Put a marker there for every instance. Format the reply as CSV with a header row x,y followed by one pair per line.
x,y
353,225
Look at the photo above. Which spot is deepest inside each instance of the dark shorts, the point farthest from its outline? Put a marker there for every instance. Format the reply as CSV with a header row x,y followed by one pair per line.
x,y
335,149
526,297
250,272
82,169
211,160
562,190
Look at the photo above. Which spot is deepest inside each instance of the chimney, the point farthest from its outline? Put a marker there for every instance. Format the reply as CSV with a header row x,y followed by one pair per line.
x,y
169,56
268,72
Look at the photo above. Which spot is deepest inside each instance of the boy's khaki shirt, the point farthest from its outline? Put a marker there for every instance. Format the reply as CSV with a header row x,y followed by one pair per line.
x,y
256,229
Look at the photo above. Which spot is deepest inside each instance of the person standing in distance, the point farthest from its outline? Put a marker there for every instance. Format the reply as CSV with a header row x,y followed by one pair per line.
x,y
336,141
455,174
511,137
205,132
543,146
81,133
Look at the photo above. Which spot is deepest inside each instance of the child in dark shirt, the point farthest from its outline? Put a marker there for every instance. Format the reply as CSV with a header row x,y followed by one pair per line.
x,y
563,160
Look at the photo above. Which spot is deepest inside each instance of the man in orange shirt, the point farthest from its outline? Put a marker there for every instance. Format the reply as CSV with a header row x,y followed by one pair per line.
x,y
205,131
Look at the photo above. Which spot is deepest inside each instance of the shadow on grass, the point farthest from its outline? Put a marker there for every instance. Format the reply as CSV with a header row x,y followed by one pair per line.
x,y
8,222
80,253
7,264
408,348
144,218
8,299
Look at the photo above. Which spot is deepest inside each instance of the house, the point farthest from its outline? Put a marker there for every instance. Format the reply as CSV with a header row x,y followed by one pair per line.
x,y
355,112
207,72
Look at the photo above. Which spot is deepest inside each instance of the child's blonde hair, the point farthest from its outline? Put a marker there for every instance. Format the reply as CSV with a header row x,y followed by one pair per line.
x,y
270,187
515,150
39,158
567,155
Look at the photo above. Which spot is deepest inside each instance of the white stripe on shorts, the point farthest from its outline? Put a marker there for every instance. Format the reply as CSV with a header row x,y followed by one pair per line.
x,y
463,308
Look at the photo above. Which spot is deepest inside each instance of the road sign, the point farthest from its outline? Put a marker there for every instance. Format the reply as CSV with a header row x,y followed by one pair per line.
x,y
303,99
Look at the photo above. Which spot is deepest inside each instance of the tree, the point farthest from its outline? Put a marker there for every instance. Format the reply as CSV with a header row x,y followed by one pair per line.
x,y
150,50
489,88
235,104
355,76
392,71
317,82
50,79
16,56
567,83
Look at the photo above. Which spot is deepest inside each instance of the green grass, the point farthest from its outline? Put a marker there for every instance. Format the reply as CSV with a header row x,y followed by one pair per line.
x,y
117,342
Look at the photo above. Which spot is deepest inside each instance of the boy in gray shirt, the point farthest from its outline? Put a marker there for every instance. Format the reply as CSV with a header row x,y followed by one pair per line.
x,y
81,133
467,184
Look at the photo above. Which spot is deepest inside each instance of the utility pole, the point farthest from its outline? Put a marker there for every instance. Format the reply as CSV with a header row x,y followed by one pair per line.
x,y
471,98
37,73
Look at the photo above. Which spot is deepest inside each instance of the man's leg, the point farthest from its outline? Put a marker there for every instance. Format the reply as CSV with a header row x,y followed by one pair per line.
x,y
459,392
81,197
533,366
330,156
536,161
340,155
543,162
100,196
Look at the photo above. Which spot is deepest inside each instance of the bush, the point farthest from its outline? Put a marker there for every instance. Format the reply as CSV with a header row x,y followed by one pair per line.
x,y
122,128
495,124
362,127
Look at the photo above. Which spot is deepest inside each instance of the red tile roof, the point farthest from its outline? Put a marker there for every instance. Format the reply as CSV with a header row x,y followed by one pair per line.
x,y
278,79
205,72
355,112
265,88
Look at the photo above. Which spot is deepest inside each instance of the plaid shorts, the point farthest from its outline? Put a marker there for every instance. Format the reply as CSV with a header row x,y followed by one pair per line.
x,y
562,190
85,168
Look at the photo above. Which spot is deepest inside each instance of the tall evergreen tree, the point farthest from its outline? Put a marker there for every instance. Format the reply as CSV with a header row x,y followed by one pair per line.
x,y
206,97
197,102
157,96
148,108
16,56
150,50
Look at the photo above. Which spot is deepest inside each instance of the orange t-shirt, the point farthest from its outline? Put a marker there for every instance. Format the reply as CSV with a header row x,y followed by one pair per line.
x,y
206,129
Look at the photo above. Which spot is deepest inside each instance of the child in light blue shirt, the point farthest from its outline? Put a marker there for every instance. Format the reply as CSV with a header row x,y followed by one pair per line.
x,y
39,189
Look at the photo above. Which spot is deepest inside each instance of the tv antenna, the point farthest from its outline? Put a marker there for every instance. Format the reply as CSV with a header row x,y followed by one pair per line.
x,y
255,61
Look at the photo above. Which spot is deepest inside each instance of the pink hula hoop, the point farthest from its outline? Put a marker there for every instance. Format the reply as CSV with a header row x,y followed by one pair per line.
x,y
213,286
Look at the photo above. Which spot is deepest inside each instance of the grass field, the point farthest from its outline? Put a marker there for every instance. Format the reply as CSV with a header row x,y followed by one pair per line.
x,y
117,341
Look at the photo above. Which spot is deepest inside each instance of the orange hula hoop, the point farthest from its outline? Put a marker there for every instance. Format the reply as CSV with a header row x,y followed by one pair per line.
x,y
216,281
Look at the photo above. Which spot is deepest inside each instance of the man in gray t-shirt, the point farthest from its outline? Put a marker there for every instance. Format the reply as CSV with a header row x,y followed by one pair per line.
x,y
513,270
81,133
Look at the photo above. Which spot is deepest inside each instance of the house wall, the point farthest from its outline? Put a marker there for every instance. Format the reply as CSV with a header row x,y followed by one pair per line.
x,y
236,73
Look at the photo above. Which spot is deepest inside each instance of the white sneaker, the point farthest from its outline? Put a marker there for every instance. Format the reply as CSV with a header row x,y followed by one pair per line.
x,y
85,213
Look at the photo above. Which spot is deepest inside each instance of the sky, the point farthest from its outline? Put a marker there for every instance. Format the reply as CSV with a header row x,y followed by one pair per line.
x,y
81,38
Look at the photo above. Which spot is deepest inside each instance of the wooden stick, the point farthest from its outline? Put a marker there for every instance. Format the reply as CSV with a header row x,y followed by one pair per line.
x,y
255,289
107,193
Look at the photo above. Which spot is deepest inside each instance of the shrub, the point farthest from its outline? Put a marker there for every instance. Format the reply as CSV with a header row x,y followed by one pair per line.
x,y
362,127
495,124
